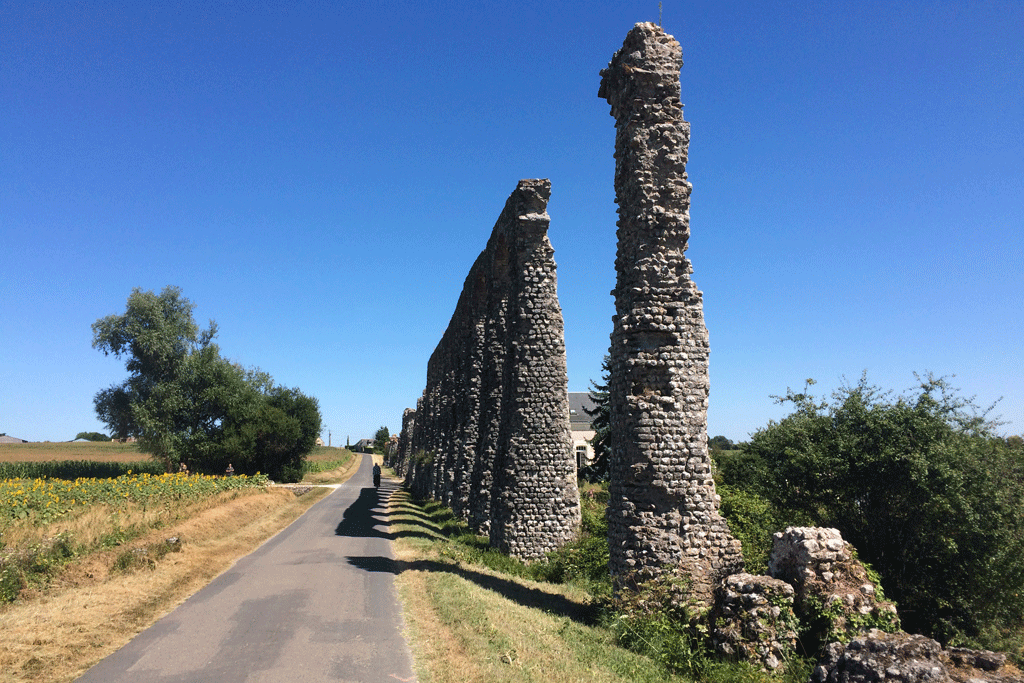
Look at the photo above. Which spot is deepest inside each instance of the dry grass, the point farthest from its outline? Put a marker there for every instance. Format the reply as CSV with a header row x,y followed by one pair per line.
x,y
87,611
434,643
103,451
87,525
467,628
110,451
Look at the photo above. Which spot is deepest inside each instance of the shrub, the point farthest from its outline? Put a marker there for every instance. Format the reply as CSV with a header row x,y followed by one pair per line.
x,y
753,520
34,564
921,487
92,436
145,556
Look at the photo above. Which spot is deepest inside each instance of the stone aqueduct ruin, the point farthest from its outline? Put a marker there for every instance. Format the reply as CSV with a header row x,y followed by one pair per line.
x,y
490,435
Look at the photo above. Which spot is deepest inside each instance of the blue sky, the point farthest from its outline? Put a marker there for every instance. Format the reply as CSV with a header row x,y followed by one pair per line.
x,y
319,177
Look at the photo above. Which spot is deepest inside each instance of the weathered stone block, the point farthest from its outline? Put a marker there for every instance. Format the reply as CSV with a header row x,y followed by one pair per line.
x,y
753,620
833,590
879,657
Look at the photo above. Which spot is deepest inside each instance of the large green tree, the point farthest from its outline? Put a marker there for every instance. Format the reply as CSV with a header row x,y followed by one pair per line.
x,y
276,439
167,358
380,439
185,403
920,484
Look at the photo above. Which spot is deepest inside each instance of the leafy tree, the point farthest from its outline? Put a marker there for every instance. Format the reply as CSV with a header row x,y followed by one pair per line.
x,y
720,443
91,436
164,351
919,484
276,439
380,440
600,421
186,403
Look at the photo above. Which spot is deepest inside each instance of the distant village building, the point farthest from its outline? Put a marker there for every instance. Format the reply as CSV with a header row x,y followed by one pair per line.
x,y
319,441
580,425
10,439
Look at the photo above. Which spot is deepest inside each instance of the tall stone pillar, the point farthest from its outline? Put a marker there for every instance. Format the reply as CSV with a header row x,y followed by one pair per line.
x,y
663,510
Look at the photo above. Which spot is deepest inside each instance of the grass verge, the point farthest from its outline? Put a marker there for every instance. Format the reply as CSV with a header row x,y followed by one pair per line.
x,y
469,621
473,614
97,601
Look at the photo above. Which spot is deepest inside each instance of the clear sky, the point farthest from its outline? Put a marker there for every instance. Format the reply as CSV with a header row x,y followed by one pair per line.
x,y
318,177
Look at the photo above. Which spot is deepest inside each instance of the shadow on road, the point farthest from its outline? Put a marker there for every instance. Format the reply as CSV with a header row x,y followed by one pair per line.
x,y
366,513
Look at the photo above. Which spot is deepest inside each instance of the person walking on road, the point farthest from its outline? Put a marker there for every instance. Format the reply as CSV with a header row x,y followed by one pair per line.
x,y
376,476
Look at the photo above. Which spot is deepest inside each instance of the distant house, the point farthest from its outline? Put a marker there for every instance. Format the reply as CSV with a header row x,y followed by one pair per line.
x,y
363,446
10,439
319,441
582,431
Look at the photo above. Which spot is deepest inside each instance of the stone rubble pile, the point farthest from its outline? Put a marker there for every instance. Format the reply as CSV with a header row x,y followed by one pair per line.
x,y
753,620
879,657
830,583
816,586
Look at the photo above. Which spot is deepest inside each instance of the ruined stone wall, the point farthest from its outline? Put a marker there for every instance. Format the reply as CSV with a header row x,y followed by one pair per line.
x,y
663,510
753,620
401,461
490,435
823,570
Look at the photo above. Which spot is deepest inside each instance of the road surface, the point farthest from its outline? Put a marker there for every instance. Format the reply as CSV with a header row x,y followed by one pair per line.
x,y
314,603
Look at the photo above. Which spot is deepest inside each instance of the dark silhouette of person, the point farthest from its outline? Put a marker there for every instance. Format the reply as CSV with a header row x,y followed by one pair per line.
x,y
376,475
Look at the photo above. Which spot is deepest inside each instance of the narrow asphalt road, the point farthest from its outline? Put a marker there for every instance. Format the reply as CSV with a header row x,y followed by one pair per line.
x,y
314,603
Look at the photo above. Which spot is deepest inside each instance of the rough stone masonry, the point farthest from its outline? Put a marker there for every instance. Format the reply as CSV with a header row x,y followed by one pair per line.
x,y
490,436
663,510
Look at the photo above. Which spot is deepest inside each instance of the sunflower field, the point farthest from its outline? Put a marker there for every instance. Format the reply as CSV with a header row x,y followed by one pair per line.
x,y
44,500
